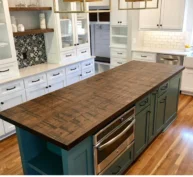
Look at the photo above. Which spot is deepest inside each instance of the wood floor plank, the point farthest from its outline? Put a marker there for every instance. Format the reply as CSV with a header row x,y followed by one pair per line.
x,y
170,154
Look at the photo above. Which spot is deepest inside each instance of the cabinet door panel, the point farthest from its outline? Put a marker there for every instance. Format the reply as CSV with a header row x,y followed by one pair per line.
x,y
161,109
56,84
172,98
150,18
187,76
172,14
141,131
153,109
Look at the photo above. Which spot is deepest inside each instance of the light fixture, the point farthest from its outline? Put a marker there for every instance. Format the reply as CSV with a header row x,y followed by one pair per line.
x,y
138,8
83,7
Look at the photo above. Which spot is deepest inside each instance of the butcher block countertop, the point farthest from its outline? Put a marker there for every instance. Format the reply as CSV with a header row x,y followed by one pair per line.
x,y
69,115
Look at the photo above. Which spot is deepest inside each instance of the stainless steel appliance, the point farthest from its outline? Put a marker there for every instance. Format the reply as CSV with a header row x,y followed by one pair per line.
x,y
170,59
112,141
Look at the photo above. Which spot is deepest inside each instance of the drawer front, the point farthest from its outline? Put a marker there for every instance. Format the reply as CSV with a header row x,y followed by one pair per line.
x,y
141,105
56,84
12,100
121,164
144,56
83,52
56,74
87,64
89,72
2,130
74,78
163,89
73,68
8,70
122,53
118,61
35,80
37,91
11,87
68,55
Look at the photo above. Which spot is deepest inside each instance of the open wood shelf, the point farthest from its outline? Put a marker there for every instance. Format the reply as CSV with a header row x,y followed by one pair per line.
x,y
33,31
30,8
47,163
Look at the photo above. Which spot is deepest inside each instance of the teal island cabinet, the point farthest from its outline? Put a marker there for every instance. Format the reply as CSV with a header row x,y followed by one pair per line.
x,y
56,132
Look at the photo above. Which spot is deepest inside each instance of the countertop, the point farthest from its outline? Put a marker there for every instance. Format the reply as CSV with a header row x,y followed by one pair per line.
x,y
162,51
69,115
41,68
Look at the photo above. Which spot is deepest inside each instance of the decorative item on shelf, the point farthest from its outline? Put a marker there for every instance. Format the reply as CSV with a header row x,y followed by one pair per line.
x,y
42,21
83,7
14,28
140,7
20,28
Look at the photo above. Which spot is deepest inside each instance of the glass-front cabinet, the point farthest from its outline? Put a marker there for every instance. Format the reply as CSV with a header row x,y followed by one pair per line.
x,y
73,27
6,36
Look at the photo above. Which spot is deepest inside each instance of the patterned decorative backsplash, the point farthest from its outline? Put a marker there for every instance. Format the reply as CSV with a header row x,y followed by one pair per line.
x,y
163,39
30,50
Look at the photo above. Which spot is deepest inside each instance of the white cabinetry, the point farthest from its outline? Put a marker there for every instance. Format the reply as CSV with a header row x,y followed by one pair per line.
x,y
118,17
169,15
8,59
73,31
144,56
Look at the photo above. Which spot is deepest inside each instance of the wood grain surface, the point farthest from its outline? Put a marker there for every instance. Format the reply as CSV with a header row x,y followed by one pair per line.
x,y
69,115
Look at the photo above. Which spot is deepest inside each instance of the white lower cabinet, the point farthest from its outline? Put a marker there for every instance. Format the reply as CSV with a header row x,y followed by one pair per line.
x,y
118,61
144,56
56,84
73,78
7,102
37,91
187,81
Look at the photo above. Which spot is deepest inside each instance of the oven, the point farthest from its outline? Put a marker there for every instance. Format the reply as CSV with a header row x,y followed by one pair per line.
x,y
113,140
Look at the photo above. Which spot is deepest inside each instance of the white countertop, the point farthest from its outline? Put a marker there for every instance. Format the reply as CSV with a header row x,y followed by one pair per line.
x,y
41,68
162,51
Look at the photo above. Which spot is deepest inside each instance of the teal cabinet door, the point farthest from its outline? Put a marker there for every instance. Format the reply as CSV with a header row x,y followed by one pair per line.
x,y
141,131
152,118
172,99
161,110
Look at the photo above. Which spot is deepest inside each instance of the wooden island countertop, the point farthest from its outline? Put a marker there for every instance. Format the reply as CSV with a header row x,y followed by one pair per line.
x,y
67,116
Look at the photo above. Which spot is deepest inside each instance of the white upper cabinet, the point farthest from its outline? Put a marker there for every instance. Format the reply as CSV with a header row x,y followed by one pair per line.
x,y
172,15
169,16
150,18
119,17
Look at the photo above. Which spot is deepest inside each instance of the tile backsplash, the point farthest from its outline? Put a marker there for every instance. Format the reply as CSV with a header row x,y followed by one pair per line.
x,y
30,50
163,39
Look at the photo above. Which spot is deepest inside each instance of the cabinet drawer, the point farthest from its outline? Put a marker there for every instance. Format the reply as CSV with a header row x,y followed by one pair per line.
x,y
121,164
12,100
83,52
11,87
73,78
118,61
144,56
163,89
119,53
142,104
73,68
87,64
86,73
2,131
37,91
56,74
68,55
8,70
35,80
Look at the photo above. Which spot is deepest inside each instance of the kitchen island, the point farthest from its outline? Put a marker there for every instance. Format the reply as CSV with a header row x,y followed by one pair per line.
x,y
55,132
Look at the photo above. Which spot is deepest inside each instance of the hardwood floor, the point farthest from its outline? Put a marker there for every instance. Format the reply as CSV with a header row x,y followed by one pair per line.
x,y
170,154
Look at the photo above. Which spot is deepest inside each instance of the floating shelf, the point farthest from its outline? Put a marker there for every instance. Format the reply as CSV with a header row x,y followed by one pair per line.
x,y
29,8
33,31
66,35
47,163
3,44
63,20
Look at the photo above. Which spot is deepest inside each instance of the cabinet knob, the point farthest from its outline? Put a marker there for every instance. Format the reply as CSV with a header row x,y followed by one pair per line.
x,y
80,74
78,44
158,25
2,103
50,86
161,25
74,44
47,87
